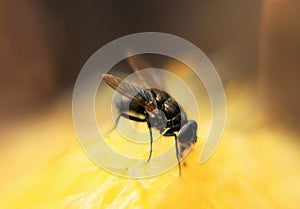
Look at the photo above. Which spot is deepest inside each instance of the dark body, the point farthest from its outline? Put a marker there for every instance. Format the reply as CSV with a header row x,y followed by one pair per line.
x,y
172,115
158,109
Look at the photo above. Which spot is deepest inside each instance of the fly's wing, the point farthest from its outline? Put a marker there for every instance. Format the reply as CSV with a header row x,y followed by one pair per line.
x,y
129,90
149,78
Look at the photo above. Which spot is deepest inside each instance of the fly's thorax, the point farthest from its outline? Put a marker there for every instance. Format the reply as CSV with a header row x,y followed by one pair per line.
x,y
174,113
150,106
160,96
171,108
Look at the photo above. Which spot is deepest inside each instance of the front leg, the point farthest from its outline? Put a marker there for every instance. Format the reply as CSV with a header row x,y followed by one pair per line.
x,y
151,139
170,132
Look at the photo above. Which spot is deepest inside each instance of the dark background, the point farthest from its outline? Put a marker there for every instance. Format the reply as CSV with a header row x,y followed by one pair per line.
x,y
44,44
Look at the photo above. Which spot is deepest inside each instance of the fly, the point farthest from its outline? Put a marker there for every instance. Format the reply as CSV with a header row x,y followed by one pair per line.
x,y
156,107
160,111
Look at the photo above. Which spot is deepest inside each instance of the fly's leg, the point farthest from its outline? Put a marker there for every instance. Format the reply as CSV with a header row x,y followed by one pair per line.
x,y
151,140
169,133
137,119
117,121
177,154
130,117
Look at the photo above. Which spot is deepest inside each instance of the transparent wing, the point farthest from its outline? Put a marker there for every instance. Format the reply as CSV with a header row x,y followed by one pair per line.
x,y
149,78
129,90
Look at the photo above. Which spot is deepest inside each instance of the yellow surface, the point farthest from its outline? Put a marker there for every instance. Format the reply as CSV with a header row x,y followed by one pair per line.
x,y
255,166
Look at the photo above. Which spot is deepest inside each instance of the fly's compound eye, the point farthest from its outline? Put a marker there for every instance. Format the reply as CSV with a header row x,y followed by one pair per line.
x,y
158,119
188,133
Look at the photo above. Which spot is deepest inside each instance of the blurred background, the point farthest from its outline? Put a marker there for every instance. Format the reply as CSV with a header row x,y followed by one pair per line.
x,y
253,44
